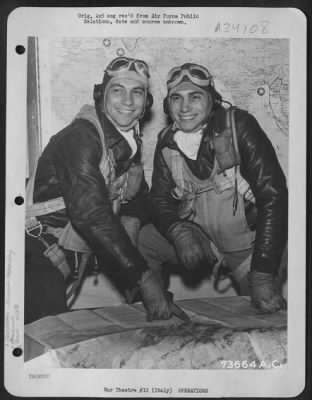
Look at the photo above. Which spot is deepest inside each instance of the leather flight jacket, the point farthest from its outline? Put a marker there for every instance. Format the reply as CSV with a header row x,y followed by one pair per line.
x,y
260,168
69,167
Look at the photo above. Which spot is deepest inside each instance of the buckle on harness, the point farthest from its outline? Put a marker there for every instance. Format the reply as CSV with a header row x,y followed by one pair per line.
x,y
31,225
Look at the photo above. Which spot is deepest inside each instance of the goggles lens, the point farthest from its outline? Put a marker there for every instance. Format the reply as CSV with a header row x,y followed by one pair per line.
x,y
125,63
195,73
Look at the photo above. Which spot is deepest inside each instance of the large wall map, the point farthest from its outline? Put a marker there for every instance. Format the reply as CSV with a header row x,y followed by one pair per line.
x,y
253,74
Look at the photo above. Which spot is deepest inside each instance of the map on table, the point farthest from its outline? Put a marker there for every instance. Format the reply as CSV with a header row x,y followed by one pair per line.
x,y
217,325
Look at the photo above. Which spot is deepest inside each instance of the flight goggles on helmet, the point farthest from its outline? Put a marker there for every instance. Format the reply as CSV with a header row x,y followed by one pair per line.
x,y
122,64
195,73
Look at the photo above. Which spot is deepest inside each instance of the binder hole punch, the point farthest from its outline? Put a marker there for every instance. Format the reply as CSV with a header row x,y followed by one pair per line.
x,y
17,352
19,200
20,49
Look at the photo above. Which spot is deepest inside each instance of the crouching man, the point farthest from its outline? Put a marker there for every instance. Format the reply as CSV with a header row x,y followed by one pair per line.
x,y
88,195
218,192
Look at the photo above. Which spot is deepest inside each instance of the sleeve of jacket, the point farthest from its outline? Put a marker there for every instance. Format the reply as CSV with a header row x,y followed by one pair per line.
x,y
87,201
139,206
261,168
164,206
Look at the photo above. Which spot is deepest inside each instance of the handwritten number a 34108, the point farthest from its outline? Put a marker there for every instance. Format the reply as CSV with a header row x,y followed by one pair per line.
x,y
227,27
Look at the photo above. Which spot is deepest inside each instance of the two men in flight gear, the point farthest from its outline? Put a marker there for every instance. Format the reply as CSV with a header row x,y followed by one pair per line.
x,y
213,169
89,195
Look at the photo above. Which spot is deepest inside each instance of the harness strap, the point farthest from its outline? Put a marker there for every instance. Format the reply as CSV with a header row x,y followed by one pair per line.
x,y
72,289
46,207
177,169
230,114
228,119
225,143
107,162
234,141
38,209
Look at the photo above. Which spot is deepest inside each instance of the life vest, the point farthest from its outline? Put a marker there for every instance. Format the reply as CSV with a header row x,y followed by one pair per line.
x,y
216,203
117,187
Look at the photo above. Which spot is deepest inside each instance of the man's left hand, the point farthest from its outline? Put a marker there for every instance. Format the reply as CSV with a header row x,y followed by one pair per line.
x,y
264,293
158,305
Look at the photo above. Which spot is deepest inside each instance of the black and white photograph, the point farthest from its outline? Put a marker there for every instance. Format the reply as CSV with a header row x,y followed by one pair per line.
x,y
155,238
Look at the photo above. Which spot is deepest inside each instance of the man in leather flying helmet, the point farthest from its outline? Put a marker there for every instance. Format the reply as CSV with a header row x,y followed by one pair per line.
x,y
219,195
88,195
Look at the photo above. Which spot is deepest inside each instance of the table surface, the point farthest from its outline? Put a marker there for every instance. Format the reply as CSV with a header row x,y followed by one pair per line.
x,y
222,330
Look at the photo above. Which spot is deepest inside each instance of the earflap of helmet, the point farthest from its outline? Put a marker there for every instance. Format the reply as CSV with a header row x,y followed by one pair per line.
x,y
166,106
97,92
216,98
149,101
